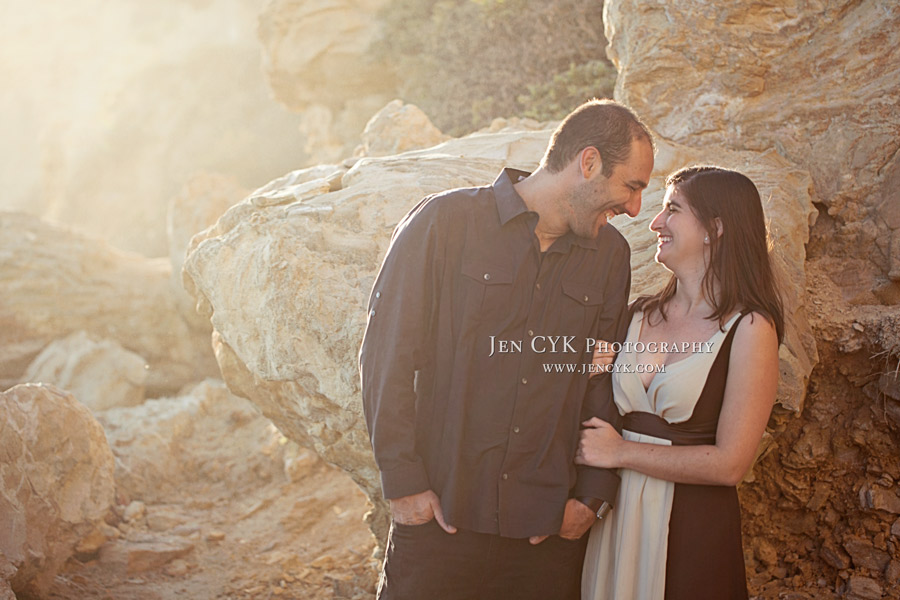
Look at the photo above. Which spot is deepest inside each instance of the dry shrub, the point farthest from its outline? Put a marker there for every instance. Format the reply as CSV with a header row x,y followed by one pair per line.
x,y
465,62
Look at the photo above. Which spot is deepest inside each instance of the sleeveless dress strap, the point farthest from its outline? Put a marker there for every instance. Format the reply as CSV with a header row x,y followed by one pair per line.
x,y
705,417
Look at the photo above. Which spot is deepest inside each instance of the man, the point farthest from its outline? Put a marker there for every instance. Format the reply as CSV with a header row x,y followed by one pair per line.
x,y
479,321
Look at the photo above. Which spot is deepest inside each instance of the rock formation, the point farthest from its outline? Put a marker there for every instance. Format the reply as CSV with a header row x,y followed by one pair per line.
x,y
818,85
58,282
317,59
101,374
285,284
56,481
397,128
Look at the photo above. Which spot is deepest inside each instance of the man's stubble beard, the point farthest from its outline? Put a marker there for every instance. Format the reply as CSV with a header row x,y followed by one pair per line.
x,y
583,212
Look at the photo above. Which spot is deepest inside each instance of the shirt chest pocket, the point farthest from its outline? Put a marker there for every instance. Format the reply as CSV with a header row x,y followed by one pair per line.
x,y
583,303
487,290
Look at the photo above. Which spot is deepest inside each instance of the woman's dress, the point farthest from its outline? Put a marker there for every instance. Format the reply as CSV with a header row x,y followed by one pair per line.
x,y
667,540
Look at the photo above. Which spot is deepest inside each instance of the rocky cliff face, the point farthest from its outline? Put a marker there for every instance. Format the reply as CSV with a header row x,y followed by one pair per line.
x,y
817,83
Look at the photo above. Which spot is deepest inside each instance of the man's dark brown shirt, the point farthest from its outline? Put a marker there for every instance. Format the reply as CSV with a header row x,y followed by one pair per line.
x,y
472,359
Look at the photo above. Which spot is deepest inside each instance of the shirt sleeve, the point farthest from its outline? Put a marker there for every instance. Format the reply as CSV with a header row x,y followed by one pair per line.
x,y
394,346
593,482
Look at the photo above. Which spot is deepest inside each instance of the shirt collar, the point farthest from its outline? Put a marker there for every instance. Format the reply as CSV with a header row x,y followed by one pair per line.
x,y
509,202
511,205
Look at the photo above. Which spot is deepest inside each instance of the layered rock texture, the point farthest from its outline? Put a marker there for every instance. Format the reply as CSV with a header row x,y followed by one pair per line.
x,y
211,502
56,482
816,84
58,282
150,443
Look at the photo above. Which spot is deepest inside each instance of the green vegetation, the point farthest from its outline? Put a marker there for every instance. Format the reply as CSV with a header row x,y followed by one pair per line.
x,y
465,62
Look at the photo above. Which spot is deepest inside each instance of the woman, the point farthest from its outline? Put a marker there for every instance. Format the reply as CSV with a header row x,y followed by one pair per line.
x,y
691,430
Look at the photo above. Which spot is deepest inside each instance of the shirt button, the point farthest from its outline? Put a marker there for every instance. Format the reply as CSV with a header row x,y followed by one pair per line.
x,y
487,276
372,314
537,285
585,298
505,476
524,381
516,429
378,294
531,332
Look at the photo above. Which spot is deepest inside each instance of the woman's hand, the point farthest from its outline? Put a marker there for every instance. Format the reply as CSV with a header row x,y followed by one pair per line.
x,y
599,445
603,359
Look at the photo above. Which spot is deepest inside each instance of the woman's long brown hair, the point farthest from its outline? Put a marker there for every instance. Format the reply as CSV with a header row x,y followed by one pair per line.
x,y
739,261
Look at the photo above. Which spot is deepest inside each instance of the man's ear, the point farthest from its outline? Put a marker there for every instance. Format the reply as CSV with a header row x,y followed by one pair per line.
x,y
589,162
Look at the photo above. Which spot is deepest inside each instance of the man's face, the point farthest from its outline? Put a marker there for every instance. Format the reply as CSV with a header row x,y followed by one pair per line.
x,y
598,198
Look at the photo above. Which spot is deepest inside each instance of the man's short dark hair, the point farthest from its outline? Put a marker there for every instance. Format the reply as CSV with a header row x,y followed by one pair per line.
x,y
604,124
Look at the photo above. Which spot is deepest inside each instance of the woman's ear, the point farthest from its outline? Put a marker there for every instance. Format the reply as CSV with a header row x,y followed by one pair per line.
x,y
719,228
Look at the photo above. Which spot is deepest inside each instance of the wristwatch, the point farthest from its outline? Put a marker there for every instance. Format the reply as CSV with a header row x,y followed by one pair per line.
x,y
600,507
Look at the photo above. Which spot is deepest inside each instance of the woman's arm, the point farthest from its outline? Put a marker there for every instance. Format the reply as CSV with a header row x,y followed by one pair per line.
x,y
749,396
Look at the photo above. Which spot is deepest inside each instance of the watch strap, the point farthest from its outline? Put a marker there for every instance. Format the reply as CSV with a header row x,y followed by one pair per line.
x,y
599,507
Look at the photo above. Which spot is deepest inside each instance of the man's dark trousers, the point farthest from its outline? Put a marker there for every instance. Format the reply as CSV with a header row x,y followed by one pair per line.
x,y
423,562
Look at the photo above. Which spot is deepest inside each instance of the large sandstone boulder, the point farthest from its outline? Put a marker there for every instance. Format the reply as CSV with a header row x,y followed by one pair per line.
x,y
289,340
57,282
56,482
100,373
285,284
817,85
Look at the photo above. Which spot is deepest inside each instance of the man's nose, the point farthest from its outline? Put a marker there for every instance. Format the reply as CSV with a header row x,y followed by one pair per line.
x,y
633,206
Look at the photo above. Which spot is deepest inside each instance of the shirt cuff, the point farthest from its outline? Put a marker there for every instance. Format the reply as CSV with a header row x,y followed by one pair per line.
x,y
596,483
405,480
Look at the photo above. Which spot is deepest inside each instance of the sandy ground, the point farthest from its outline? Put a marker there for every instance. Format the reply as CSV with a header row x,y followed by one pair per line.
x,y
251,528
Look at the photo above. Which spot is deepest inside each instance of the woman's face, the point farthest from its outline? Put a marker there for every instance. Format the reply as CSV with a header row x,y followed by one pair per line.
x,y
680,235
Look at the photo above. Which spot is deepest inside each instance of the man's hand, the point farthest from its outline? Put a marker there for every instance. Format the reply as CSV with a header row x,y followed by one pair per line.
x,y
577,519
418,509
